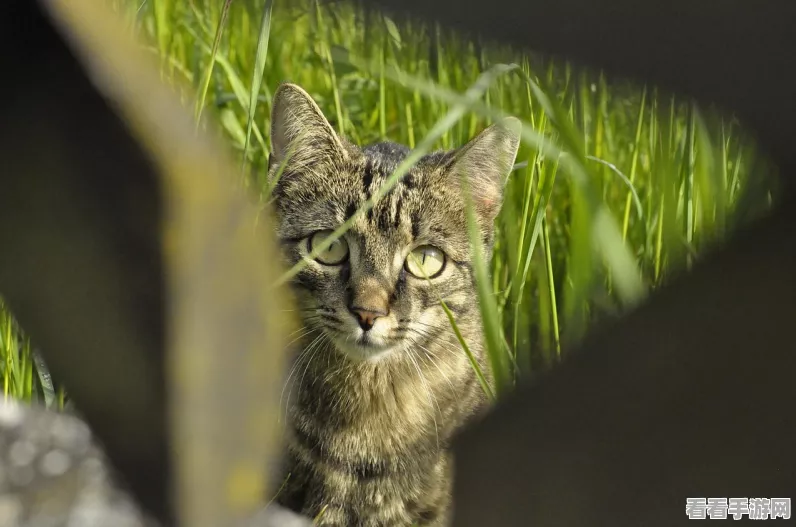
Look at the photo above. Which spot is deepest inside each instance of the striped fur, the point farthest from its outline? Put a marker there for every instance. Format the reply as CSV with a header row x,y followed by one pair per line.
x,y
370,423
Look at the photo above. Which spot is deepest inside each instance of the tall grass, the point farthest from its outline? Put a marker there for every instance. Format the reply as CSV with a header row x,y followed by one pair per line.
x,y
617,186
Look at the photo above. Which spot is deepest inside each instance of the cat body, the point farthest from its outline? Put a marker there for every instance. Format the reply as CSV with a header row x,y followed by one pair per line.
x,y
381,382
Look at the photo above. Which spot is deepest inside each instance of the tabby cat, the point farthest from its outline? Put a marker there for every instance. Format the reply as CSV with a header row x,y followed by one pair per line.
x,y
381,382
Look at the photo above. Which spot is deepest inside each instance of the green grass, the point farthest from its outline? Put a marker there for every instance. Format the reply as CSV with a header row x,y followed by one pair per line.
x,y
617,187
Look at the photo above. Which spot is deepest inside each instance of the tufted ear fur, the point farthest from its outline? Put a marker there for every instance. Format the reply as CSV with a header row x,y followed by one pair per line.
x,y
486,162
300,132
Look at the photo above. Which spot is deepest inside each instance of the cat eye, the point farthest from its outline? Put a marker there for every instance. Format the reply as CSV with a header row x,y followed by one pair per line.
x,y
335,254
425,262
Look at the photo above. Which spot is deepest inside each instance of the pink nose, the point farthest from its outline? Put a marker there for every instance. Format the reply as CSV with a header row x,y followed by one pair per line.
x,y
367,317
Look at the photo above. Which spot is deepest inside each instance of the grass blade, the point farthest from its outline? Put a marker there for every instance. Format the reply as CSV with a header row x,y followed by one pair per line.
x,y
257,77
200,103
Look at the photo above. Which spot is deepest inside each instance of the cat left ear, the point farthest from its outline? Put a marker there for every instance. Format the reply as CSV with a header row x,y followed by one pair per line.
x,y
299,130
486,162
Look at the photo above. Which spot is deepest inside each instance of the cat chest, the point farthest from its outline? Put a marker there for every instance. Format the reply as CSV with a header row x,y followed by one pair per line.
x,y
364,452
357,477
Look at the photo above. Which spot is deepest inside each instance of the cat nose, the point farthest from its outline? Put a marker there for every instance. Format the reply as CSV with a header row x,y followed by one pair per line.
x,y
367,316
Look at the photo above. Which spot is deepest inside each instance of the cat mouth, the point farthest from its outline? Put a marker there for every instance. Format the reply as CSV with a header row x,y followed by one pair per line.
x,y
364,347
366,341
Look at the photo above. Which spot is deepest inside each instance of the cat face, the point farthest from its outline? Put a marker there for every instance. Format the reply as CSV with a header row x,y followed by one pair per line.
x,y
377,290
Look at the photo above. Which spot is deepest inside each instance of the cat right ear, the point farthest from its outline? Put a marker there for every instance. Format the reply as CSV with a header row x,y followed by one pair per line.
x,y
299,130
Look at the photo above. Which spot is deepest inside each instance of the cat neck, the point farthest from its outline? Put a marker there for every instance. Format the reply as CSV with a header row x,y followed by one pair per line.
x,y
411,385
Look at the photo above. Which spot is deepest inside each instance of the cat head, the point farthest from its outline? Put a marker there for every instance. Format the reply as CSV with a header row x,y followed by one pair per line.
x,y
376,291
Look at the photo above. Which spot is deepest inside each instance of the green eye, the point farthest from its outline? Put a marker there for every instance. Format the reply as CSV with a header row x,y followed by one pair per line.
x,y
335,254
425,262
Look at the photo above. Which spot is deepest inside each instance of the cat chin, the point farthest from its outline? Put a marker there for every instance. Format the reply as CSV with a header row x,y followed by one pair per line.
x,y
365,352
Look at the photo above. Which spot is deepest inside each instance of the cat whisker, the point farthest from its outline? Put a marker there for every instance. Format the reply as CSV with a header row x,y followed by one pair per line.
x,y
302,335
430,356
422,332
331,318
450,347
430,328
307,355
433,326
293,370
430,394
310,353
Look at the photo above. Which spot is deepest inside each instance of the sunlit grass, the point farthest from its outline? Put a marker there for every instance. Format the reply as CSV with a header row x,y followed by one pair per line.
x,y
24,374
617,187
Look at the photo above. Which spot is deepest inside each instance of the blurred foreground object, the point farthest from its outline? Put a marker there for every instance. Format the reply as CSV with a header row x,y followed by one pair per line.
x,y
135,264
690,396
